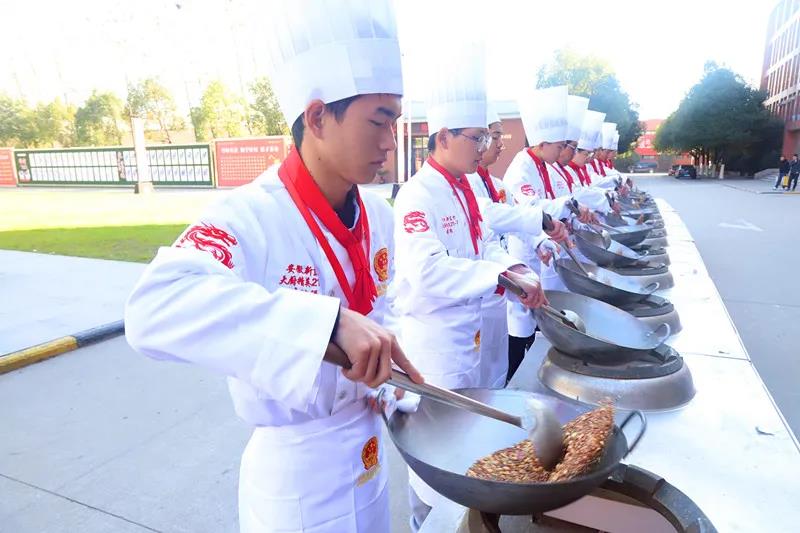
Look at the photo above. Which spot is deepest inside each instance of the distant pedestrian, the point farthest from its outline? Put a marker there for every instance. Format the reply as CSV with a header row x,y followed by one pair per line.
x,y
794,172
783,171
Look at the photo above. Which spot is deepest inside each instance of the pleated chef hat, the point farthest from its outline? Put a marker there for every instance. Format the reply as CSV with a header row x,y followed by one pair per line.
x,y
609,130
591,130
491,113
576,109
544,115
457,89
331,50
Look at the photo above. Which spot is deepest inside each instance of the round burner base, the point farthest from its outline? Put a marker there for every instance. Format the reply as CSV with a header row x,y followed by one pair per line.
x,y
663,392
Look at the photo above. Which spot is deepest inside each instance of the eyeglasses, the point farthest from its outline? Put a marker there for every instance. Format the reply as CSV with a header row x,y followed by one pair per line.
x,y
572,146
483,141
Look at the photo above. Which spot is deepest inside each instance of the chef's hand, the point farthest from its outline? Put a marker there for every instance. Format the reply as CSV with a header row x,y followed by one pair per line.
x,y
534,295
559,232
616,207
546,250
371,349
585,214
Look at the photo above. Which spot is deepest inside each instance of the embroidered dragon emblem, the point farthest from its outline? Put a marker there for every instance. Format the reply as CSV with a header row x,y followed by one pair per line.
x,y
210,239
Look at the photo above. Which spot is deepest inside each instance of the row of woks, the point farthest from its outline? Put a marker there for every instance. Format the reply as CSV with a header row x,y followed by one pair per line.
x,y
601,290
440,442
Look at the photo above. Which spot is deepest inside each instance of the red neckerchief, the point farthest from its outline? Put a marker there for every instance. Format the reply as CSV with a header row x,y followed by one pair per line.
x,y
548,187
471,210
487,182
308,198
564,174
582,173
609,163
598,168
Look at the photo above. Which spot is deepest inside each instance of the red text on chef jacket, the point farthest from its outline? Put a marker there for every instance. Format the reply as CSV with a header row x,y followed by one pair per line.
x,y
300,277
449,224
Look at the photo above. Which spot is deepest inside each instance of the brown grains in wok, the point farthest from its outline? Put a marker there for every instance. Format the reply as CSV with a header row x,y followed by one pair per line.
x,y
585,439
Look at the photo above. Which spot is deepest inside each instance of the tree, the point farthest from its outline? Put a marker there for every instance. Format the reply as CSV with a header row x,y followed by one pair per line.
x,y
98,121
265,114
150,100
55,124
593,78
220,113
17,124
723,119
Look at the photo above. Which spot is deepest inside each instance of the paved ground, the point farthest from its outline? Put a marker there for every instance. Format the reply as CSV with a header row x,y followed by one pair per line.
x,y
47,296
749,244
102,439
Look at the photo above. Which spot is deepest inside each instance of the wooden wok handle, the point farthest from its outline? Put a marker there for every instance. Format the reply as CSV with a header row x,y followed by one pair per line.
x,y
510,285
335,355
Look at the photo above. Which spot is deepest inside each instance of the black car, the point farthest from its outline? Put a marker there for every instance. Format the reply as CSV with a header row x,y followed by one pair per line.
x,y
643,166
686,171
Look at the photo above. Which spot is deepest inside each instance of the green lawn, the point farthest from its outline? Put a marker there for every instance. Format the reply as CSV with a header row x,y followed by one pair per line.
x,y
97,223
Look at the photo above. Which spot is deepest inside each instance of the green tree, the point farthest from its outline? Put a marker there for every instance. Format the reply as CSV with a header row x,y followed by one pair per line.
x,y
593,78
220,113
265,113
150,100
55,124
723,119
98,121
17,124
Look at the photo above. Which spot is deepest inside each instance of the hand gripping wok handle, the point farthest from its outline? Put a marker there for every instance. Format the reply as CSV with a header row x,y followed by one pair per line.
x,y
511,286
335,355
639,435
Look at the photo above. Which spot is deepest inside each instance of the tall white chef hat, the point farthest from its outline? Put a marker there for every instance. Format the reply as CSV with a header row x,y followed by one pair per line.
x,y
544,115
331,50
591,130
609,129
615,143
457,89
576,109
491,113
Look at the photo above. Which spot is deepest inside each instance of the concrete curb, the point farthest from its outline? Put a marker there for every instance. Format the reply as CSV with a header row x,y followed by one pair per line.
x,y
40,352
746,189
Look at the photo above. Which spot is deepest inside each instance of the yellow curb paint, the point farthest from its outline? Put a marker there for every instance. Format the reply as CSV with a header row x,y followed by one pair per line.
x,y
35,354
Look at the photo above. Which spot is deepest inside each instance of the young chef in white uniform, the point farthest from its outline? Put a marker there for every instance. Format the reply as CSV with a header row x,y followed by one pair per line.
x,y
266,278
501,216
445,262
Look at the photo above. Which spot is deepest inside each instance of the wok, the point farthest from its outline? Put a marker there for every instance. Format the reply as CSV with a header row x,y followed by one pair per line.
x,y
616,254
603,284
629,235
440,443
612,335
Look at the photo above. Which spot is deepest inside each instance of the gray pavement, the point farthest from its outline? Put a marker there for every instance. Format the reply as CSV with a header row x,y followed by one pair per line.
x,y
748,243
48,296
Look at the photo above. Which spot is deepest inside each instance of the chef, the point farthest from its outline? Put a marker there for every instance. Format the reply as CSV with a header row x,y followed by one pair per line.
x,y
446,263
266,278
501,216
605,176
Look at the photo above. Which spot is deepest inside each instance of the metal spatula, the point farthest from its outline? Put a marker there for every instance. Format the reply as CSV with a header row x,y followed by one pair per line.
x,y
539,420
569,318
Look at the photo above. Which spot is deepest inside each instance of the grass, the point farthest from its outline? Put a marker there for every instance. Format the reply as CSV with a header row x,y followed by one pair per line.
x,y
97,223
120,243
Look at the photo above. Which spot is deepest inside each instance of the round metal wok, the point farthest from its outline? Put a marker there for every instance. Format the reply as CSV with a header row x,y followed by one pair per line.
x,y
630,235
603,284
612,336
440,443
617,254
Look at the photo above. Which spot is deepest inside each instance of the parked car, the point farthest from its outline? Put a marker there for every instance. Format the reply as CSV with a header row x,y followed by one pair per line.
x,y
643,166
673,170
686,171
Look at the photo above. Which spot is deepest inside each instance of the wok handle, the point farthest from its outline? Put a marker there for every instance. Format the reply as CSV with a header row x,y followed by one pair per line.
x,y
571,255
379,399
639,435
653,287
511,286
665,335
334,354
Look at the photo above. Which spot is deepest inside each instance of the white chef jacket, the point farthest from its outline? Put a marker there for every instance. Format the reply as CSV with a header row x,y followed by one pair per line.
x,y
247,292
440,280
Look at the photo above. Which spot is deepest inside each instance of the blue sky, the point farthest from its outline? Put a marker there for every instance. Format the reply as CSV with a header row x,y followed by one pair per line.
x,y
656,48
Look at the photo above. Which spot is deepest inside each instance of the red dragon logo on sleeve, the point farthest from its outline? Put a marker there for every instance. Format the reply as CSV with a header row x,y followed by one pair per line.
x,y
209,239
527,190
414,222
